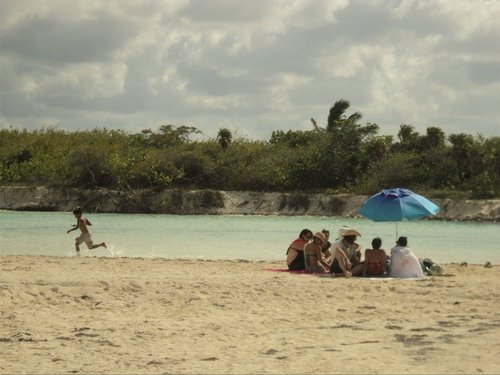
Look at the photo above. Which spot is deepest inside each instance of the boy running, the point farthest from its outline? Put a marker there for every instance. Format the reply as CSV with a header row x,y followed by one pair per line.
x,y
82,223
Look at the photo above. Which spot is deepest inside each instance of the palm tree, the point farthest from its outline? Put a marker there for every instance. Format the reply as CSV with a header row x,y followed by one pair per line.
x,y
337,115
224,137
435,137
315,125
406,133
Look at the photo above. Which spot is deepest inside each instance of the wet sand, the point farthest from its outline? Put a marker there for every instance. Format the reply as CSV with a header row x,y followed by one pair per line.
x,y
124,315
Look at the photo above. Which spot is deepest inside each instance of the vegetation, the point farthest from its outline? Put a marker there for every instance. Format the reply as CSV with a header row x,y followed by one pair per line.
x,y
343,156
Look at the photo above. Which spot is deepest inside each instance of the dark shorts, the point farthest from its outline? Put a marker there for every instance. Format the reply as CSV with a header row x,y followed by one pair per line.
x,y
298,263
335,268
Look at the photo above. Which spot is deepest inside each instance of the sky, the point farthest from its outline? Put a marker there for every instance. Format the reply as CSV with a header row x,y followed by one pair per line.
x,y
249,66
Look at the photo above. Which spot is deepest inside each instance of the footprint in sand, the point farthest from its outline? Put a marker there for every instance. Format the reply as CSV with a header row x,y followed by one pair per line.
x,y
271,352
393,327
104,284
134,285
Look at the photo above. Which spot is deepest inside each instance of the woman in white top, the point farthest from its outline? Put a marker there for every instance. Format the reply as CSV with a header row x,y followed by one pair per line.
x,y
404,264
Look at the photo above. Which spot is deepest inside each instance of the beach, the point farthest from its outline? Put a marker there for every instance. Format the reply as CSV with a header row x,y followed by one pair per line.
x,y
95,315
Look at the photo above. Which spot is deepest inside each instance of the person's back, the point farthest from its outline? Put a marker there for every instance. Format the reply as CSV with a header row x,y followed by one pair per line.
x,y
375,263
404,264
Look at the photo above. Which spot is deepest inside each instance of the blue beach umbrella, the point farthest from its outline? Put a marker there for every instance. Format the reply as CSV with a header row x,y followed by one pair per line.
x,y
397,205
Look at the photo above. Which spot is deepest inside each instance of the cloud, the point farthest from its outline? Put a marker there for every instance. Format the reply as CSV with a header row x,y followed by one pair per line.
x,y
253,67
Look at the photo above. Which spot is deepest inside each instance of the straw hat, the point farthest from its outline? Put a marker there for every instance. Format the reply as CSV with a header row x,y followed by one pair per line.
x,y
320,235
341,231
351,232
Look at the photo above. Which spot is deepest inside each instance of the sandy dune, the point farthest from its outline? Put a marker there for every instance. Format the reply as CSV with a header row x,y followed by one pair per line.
x,y
105,315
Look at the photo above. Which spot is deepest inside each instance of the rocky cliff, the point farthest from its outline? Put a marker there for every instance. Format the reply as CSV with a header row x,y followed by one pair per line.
x,y
218,203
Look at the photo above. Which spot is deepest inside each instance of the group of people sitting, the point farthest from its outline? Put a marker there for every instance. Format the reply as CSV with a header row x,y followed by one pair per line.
x,y
314,253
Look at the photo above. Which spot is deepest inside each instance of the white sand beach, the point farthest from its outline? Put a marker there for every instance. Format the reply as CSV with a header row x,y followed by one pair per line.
x,y
123,315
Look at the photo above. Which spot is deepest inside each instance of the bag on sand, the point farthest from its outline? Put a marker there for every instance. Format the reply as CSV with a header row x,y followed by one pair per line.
x,y
430,268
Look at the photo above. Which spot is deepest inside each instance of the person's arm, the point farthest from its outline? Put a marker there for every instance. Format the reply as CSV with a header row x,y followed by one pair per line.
x,y
341,256
357,255
291,254
329,259
75,227
384,264
87,222
322,259
365,264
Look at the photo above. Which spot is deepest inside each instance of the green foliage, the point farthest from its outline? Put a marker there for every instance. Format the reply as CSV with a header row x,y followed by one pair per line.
x,y
397,170
344,156
483,186
295,138
224,137
168,135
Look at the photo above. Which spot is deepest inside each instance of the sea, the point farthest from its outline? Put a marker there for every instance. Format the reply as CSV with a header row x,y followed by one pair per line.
x,y
235,237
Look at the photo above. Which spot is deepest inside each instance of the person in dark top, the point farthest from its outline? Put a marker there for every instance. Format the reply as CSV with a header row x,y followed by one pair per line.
x,y
295,252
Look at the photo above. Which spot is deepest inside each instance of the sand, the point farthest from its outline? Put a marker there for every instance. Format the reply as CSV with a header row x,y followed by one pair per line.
x,y
123,315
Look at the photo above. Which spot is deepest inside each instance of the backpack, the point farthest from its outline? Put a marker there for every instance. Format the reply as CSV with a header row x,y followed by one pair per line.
x,y
430,268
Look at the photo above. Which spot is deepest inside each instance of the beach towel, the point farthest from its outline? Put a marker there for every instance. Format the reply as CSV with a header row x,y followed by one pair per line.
x,y
287,270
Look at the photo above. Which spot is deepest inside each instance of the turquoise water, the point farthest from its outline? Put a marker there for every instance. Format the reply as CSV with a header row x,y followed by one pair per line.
x,y
234,237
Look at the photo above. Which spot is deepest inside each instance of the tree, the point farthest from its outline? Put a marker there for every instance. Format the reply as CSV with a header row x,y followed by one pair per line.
x,y
169,135
435,138
224,137
461,150
408,139
336,116
294,138
315,125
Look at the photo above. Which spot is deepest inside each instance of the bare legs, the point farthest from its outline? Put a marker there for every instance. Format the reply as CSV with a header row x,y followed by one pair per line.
x,y
348,270
77,247
344,263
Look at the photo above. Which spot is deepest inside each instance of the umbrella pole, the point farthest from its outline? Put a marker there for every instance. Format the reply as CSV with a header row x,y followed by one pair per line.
x,y
396,231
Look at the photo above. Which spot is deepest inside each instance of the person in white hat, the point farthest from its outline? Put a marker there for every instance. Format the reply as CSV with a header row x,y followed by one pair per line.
x,y
346,254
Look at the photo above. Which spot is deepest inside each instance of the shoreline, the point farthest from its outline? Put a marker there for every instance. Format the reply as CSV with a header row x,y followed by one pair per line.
x,y
209,202
133,315
276,263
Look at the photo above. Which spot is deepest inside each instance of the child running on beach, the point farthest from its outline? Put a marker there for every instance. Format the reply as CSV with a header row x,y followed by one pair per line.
x,y
82,223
